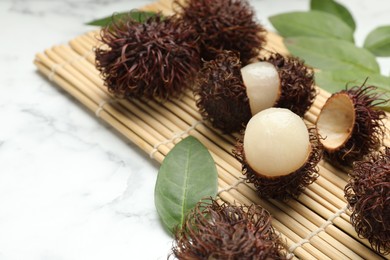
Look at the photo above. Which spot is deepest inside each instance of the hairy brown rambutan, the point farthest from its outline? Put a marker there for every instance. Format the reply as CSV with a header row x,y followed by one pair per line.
x,y
214,231
224,25
157,58
286,186
368,196
229,94
220,93
351,124
297,81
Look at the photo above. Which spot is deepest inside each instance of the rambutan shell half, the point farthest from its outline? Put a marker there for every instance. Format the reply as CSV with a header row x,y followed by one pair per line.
x,y
336,121
351,125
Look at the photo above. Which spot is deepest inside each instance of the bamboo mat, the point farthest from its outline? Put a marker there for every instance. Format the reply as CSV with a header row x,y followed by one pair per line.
x,y
315,226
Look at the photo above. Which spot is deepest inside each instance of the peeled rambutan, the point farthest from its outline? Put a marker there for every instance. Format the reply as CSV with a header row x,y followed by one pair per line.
x,y
155,59
279,154
224,25
368,196
229,94
226,231
351,124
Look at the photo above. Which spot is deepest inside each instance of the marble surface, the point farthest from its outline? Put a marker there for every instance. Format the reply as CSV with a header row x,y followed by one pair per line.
x,y
70,186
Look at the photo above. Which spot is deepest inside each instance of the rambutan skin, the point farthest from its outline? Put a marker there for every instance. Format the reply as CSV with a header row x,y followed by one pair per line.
x,y
368,196
224,25
214,231
368,131
288,186
155,59
297,83
220,93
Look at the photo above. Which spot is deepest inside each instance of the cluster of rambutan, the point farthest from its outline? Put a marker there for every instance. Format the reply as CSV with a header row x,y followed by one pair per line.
x,y
228,94
159,58
213,47
353,127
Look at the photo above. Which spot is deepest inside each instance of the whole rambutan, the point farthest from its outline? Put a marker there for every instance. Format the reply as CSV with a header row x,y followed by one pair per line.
x,y
224,25
279,154
225,231
155,59
368,196
229,94
351,124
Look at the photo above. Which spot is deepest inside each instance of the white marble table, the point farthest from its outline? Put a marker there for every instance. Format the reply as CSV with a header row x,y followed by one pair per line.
x,y
70,186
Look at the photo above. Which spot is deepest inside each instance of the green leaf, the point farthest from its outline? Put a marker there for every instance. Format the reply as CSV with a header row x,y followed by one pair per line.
x,y
334,81
140,16
187,174
312,23
331,54
378,41
337,80
332,7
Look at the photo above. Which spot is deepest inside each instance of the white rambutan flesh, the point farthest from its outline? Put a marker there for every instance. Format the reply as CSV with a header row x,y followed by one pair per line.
x,y
262,83
276,142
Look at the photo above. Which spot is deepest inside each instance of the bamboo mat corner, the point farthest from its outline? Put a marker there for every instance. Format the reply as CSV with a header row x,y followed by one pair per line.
x,y
315,226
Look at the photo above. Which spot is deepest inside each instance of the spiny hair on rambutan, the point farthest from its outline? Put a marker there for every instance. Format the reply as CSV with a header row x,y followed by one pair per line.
x,y
220,93
224,25
226,231
229,94
351,124
158,58
297,83
368,196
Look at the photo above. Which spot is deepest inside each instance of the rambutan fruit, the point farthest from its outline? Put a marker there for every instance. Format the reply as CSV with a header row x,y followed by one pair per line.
x,y
155,59
351,124
229,94
226,231
224,25
368,196
220,93
279,153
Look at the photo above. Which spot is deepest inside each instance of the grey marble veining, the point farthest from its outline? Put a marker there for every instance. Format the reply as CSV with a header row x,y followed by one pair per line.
x,y
70,186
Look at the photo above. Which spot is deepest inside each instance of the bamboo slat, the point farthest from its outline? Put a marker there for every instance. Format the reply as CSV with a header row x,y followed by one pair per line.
x,y
315,226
